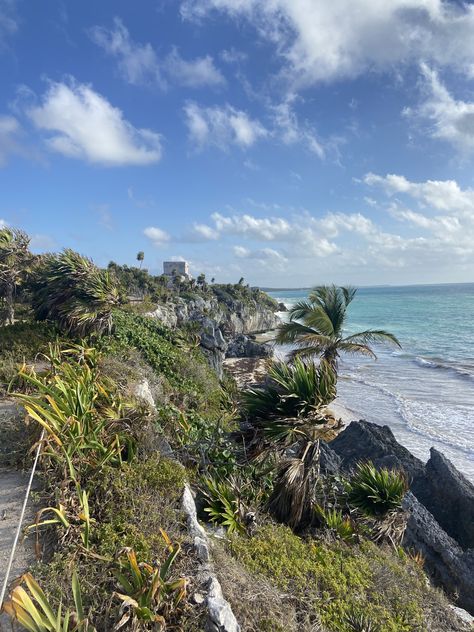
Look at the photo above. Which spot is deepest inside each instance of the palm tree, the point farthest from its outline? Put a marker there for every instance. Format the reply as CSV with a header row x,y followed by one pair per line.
x,y
140,257
316,327
15,262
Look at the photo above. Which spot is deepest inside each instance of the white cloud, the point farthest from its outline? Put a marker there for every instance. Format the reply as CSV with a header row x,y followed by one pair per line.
x,y
289,129
3,223
320,40
451,120
157,236
8,20
444,219
195,73
221,126
9,132
84,125
140,65
204,231
137,63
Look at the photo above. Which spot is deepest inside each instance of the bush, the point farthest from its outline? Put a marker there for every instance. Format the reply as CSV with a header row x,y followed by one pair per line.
x,y
376,492
70,290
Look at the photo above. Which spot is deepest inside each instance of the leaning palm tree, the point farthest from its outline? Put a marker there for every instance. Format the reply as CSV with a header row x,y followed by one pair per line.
x,y
71,290
316,327
15,262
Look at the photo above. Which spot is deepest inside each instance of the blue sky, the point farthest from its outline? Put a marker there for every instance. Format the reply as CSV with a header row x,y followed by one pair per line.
x,y
291,142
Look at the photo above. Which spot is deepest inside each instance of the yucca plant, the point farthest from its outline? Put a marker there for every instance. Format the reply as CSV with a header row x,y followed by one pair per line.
x,y
374,491
360,622
147,593
69,289
29,606
223,503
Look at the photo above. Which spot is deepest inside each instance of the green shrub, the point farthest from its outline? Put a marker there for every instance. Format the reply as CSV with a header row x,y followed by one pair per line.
x,y
374,491
335,580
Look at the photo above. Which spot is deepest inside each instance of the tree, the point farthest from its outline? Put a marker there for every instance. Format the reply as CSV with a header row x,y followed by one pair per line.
x,y
201,280
15,262
71,290
241,281
316,327
140,257
213,280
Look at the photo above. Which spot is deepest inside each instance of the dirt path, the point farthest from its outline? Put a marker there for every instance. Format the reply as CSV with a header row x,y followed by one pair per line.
x,y
13,485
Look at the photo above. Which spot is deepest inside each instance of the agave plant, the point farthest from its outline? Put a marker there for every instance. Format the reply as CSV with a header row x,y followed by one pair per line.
x,y
147,594
31,608
71,290
360,622
375,492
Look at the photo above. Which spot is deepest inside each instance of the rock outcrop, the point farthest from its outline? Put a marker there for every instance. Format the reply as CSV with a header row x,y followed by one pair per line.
x,y
243,346
218,321
449,496
448,565
365,441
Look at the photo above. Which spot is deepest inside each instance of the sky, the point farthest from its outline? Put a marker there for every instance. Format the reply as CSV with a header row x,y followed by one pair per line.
x,y
291,142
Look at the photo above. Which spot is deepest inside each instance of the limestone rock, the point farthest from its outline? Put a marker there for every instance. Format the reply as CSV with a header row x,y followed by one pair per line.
x,y
364,441
449,496
242,346
446,562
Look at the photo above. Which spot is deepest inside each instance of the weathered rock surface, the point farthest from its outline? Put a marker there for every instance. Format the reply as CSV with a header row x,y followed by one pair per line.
x,y
242,346
449,496
365,441
213,344
449,566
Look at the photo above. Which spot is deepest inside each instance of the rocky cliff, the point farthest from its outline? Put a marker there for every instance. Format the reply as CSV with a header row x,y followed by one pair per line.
x,y
220,321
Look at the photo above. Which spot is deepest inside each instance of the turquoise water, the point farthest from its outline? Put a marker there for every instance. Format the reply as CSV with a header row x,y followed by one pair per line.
x,y
425,391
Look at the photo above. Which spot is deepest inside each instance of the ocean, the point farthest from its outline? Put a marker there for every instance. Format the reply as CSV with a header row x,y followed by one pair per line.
x,y
425,391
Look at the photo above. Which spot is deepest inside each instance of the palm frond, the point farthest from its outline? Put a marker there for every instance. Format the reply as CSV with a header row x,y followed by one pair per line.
x,y
373,335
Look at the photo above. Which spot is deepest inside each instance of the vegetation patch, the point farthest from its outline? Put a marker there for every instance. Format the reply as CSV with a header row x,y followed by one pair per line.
x,y
334,582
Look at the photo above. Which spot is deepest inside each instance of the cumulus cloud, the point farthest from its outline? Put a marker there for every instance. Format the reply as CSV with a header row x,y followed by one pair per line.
x,y
221,126
157,236
139,64
450,120
263,256
83,124
444,215
324,41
